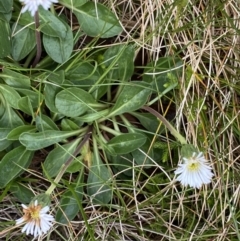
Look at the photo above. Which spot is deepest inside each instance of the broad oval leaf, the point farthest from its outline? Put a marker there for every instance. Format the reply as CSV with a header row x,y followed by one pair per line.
x,y
73,102
57,77
57,157
164,74
122,164
52,25
6,6
50,92
126,143
44,123
4,133
13,163
143,155
120,58
37,141
69,125
5,38
35,97
10,118
25,105
74,3
4,143
57,37
59,49
23,42
16,132
99,179
97,20
15,79
132,97
10,95
149,121
23,194
90,117
69,206
83,74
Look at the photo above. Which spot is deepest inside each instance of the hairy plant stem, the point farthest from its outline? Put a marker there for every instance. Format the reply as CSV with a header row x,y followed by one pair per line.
x,y
69,161
173,131
38,40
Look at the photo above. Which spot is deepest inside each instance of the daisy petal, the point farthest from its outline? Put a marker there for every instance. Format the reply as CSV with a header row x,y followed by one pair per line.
x,y
195,171
33,5
37,221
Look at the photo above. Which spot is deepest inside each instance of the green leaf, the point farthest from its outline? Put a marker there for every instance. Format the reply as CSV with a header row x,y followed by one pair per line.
x,y
4,133
57,77
144,155
50,92
99,179
74,3
5,37
120,58
37,141
132,97
69,207
4,143
15,79
56,80
83,74
149,121
13,163
51,25
10,95
44,123
23,194
97,20
24,104
73,102
164,74
69,125
26,19
6,16
88,77
6,6
23,42
16,132
188,150
59,49
58,156
35,97
95,115
76,165
126,143
10,118
57,36
77,121
123,164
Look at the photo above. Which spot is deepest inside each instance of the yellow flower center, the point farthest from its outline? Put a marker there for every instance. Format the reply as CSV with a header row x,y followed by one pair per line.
x,y
193,165
32,213
35,214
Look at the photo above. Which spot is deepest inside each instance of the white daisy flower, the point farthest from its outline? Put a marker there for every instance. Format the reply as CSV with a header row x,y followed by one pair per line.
x,y
37,221
195,171
33,5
